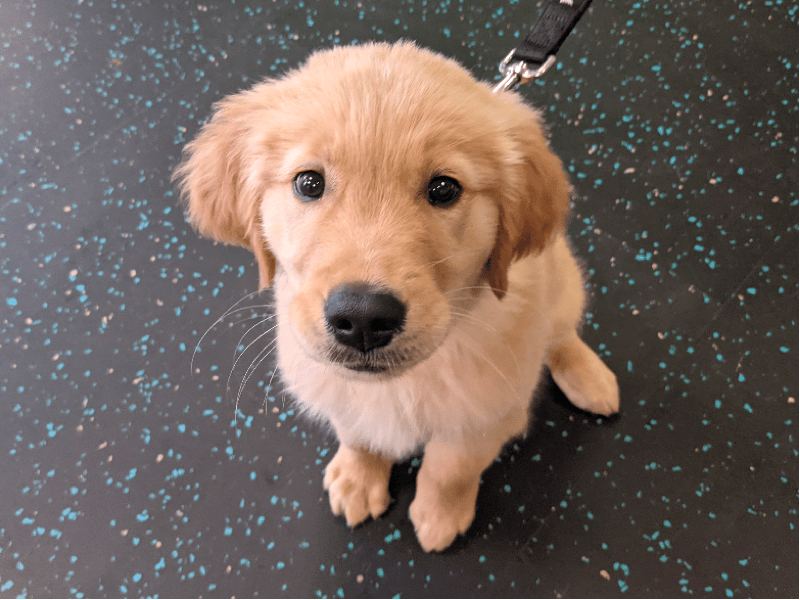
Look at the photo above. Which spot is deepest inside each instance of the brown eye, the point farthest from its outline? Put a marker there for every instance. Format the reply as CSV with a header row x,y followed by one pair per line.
x,y
443,191
309,186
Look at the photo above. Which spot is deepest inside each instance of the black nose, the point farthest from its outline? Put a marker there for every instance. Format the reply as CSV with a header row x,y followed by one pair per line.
x,y
363,317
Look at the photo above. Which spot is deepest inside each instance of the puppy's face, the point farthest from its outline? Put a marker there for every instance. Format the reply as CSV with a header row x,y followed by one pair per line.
x,y
381,230
386,186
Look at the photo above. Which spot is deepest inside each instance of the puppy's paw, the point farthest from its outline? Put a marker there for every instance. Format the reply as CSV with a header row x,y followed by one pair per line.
x,y
437,522
584,378
358,485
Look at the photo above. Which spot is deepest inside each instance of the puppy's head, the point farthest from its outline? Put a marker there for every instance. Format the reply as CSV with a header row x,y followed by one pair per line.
x,y
385,186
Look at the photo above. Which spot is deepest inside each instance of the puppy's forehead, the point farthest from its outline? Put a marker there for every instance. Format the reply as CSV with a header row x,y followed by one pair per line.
x,y
365,125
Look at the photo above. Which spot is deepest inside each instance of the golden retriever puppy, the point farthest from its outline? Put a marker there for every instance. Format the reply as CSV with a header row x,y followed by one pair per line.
x,y
412,224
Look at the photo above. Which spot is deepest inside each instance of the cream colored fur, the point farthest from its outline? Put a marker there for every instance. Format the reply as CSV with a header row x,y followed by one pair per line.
x,y
492,291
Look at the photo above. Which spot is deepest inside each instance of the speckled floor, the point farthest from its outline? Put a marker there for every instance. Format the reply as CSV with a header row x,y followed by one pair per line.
x,y
126,471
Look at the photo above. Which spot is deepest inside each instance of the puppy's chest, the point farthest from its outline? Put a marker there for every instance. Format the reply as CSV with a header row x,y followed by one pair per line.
x,y
454,394
389,418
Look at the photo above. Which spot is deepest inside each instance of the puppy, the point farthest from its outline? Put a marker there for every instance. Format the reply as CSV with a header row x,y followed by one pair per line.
x,y
412,224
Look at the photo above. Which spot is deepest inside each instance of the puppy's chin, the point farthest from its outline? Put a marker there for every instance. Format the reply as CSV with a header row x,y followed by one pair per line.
x,y
367,372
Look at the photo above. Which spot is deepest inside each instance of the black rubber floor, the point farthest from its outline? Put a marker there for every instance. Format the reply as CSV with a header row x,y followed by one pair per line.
x,y
126,471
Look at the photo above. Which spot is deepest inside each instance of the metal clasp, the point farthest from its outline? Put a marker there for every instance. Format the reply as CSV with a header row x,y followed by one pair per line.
x,y
520,72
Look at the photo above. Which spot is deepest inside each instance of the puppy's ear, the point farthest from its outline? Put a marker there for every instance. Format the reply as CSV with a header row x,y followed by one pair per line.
x,y
213,179
534,201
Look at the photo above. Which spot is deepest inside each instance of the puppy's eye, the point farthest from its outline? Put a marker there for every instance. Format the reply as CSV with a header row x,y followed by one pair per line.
x,y
443,191
309,185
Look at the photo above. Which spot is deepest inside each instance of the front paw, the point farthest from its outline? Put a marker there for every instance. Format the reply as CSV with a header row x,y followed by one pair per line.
x,y
357,484
438,520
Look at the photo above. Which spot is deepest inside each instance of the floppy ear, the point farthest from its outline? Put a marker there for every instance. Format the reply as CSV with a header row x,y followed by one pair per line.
x,y
213,180
534,203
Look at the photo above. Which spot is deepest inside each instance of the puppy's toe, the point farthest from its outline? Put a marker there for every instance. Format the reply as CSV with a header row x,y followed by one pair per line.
x,y
358,485
584,378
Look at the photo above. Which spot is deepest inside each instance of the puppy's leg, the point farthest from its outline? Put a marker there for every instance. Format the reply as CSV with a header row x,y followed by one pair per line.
x,y
447,487
447,483
358,484
583,377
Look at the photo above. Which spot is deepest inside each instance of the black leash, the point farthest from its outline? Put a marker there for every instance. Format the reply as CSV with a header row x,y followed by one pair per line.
x,y
537,52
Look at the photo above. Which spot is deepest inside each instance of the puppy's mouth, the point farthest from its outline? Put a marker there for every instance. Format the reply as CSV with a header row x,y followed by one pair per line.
x,y
367,368
384,363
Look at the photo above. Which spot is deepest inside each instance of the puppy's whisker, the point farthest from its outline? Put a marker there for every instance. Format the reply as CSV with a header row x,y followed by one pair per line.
x,y
269,387
238,358
482,355
251,368
441,260
227,313
460,298
467,288
255,314
249,329
509,293
462,302
260,358
264,352
469,338
265,316
470,318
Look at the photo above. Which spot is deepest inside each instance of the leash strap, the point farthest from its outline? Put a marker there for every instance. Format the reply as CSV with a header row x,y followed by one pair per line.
x,y
537,52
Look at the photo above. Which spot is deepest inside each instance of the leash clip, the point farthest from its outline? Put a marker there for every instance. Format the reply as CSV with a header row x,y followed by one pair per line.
x,y
520,72
536,53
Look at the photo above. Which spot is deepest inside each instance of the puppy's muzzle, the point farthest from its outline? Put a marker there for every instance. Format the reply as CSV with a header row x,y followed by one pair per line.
x,y
363,317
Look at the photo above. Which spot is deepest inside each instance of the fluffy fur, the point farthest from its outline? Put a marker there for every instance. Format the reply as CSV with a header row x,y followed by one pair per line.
x,y
490,285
